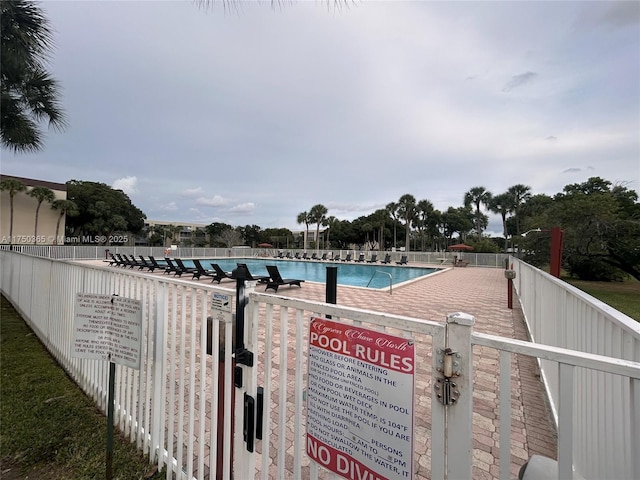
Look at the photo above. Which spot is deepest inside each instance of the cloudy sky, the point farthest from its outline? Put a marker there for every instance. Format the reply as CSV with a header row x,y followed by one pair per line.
x,y
250,113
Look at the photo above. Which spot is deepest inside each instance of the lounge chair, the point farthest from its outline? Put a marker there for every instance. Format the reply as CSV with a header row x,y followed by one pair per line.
x,y
172,267
256,278
123,260
147,264
403,260
347,258
183,268
200,271
324,256
314,256
387,259
373,259
157,264
288,255
132,262
297,256
304,256
360,258
276,279
219,273
129,261
113,261
117,261
336,258
136,263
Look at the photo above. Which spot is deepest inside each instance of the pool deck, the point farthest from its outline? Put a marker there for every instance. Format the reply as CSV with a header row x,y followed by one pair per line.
x,y
481,292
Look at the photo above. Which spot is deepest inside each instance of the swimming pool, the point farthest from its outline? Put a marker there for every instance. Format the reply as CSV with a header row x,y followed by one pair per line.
x,y
349,274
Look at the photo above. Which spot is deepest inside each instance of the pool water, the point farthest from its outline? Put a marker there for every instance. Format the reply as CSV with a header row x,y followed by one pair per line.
x,y
349,274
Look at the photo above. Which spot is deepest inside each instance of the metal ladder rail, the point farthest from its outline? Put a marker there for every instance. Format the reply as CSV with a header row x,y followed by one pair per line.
x,y
385,273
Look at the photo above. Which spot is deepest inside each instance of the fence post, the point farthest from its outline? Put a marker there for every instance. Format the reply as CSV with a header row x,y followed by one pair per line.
x,y
459,415
158,315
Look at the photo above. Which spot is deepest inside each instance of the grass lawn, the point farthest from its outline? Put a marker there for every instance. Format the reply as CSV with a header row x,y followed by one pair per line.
x,y
48,427
623,296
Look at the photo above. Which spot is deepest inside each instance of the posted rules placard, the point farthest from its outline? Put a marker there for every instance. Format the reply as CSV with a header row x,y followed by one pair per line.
x,y
107,327
360,396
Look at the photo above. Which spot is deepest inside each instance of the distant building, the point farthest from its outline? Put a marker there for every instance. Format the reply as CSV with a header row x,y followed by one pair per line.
x,y
186,235
24,215
298,237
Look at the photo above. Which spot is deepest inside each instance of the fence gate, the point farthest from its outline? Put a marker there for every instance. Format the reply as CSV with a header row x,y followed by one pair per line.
x,y
290,382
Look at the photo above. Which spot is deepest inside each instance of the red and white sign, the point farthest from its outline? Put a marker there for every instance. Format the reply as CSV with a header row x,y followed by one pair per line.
x,y
360,396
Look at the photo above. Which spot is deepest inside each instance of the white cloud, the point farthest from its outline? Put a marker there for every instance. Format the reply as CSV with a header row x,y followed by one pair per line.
x,y
192,192
243,208
126,184
215,201
169,207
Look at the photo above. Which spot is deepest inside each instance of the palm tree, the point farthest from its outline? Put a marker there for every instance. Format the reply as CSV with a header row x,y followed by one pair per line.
x,y
520,194
41,194
318,214
424,211
28,94
407,211
171,230
503,205
392,208
329,222
477,196
380,217
65,207
303,217
13,186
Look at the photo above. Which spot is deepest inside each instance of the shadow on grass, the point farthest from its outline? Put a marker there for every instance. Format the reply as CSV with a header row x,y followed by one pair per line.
x,y
48,427
623,296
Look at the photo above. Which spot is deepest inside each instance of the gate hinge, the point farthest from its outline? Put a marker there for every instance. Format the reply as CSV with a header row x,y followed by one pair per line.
x,y
447,389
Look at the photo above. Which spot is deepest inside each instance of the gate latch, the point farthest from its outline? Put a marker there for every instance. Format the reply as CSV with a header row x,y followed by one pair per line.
x,y
446,387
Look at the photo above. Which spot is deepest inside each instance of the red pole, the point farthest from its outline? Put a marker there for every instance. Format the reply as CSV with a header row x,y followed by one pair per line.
x,y
556,251
510,293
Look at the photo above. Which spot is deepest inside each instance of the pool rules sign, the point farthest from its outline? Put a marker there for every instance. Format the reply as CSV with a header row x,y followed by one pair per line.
x,y
107,327
360,401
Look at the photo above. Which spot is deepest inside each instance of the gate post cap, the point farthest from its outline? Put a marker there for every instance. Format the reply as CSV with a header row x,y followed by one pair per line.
x,y
461,318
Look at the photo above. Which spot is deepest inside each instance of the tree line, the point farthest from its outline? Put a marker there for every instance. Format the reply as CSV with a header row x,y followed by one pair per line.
x,y
600,221
426,228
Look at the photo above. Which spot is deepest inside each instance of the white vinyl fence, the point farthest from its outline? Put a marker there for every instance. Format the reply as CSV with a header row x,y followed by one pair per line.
x,y
171,407
606,442
93,252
